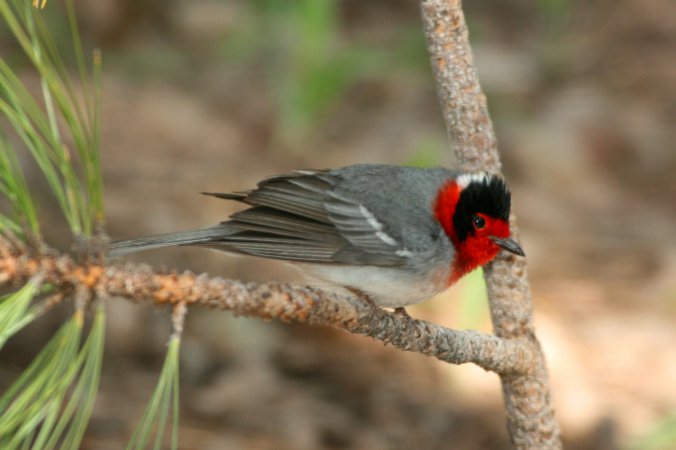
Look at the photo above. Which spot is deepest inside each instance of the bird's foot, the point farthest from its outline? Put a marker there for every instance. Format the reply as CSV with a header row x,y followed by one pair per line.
x,y
401,311
362,295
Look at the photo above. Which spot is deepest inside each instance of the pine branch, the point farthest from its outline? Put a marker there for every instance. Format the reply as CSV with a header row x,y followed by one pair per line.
x,y
287,302
530,416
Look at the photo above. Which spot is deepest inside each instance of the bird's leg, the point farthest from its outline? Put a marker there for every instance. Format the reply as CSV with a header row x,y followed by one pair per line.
x,y
401,311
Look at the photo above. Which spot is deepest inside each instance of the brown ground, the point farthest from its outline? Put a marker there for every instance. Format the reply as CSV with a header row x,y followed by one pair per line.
x,y
584,109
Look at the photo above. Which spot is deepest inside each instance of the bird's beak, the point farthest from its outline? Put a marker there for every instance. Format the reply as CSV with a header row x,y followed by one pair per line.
x,y
510,245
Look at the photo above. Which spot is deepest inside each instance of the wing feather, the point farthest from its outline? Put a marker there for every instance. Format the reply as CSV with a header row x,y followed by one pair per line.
x,y
300,217
265,219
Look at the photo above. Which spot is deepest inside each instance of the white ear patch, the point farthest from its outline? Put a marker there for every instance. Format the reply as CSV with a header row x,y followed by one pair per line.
x,y
466,178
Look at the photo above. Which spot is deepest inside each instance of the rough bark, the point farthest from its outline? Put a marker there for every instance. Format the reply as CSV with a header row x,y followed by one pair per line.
x,y
530,416
287,302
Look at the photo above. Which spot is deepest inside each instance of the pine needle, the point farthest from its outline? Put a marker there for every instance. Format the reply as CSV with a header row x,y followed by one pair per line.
x,y
51,402
14,309
164,398
58,117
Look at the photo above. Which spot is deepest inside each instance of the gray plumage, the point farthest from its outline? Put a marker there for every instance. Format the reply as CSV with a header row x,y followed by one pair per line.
x,y
376,215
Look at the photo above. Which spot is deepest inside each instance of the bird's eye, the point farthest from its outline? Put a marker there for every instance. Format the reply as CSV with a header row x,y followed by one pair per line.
x,y
479,222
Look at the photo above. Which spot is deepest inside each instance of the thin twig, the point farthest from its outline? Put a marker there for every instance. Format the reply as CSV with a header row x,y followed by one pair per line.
x,y
178,313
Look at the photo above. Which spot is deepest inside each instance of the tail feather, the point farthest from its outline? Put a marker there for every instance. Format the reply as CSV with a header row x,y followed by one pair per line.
x,y
239,196
192,237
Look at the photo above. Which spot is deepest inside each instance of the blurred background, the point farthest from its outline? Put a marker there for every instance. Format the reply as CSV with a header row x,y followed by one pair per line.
x,y
212,95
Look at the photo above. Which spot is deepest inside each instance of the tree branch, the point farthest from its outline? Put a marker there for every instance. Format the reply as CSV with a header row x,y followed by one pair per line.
x,y
287,302
463,104
530,416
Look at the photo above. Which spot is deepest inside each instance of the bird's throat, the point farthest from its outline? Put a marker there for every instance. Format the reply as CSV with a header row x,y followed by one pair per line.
x,y
472,253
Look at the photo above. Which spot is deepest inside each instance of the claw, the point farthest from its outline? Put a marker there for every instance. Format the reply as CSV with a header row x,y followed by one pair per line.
x,y
401,311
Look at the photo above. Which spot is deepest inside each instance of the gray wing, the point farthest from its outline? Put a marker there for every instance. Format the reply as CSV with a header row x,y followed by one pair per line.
x,y
363,215
301,217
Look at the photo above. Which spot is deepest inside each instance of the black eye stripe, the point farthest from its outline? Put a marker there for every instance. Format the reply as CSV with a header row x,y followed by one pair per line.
x,y
489,197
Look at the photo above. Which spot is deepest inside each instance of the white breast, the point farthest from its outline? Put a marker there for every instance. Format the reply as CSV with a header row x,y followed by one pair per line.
x,y
386,286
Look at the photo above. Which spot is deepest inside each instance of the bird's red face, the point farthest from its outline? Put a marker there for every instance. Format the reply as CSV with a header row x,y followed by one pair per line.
x,y
474,212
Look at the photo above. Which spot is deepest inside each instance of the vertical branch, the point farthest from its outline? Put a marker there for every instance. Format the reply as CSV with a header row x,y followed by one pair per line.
x,y
530,416
463,103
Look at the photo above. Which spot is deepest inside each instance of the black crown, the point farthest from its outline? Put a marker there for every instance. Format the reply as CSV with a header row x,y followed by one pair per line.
x,y
489,196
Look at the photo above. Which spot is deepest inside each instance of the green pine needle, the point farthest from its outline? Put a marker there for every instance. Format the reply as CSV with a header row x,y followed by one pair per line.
x,y
14,187
14,309
57,116
76,414
30,401
50,403
164,398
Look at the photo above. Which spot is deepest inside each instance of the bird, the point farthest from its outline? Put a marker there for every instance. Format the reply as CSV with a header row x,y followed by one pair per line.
x,y
394,235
